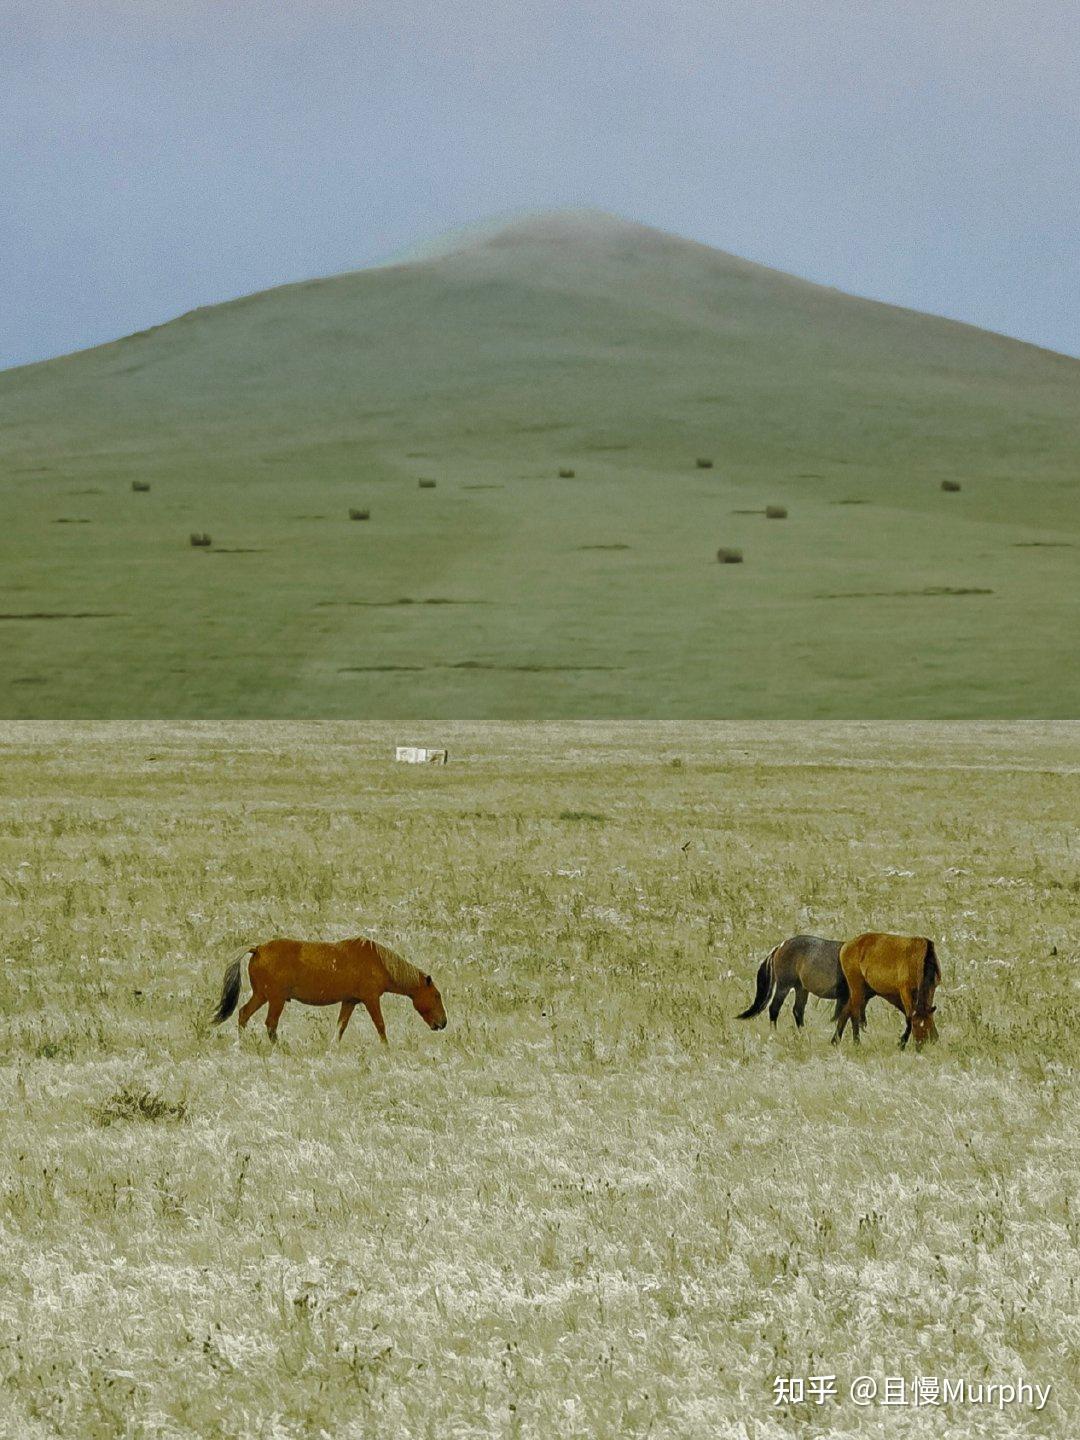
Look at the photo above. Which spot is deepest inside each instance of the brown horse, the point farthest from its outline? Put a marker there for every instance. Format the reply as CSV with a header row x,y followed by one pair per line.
x,y
349,973
806,964
902,969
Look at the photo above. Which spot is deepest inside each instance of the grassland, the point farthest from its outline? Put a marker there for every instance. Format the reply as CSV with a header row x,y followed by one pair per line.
x,y
597,1205
506,591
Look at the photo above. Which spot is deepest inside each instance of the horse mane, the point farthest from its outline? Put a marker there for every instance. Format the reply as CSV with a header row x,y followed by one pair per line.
x,y
397,967
931,974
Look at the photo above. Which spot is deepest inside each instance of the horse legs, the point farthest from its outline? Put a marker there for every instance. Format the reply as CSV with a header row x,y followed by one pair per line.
x,y
854,1010
778,999
906,1005
867,996
860,994
273,1015
347,1007
374,1009
253,1005
843,1015
801,996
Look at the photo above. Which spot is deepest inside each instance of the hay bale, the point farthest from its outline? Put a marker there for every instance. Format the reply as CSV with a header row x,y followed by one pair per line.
x,y
140,486
703,462
951,485
567,474
729,557
775,512
200,537
359,514
426,484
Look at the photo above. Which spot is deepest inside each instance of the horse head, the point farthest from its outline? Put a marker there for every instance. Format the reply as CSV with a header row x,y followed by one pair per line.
x,y
923,1027
428,1004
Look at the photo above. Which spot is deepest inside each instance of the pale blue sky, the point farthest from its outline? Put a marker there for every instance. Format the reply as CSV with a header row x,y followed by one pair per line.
x,y
156,155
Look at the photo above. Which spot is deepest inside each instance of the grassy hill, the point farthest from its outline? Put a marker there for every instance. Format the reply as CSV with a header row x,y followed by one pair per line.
x,y
566,342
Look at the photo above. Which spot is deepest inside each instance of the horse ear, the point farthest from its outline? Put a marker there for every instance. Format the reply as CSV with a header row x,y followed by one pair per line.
x,y
932,1009
428,980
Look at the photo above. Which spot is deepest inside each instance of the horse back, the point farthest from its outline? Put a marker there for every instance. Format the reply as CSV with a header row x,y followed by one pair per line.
x,y
319,972
887,963
813,962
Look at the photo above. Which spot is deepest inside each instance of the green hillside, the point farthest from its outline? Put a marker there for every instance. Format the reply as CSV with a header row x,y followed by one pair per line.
x,y
575,342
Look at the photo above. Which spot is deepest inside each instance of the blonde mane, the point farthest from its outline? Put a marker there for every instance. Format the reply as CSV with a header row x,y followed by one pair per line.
x,y
397,967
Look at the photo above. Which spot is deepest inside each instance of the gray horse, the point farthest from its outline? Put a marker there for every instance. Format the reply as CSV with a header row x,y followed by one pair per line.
x,y
806,964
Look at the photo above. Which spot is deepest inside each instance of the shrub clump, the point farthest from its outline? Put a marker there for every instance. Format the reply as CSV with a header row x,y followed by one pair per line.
x,y
426,484
200,537
950,485
775,512
729,557
131,1103
140,486
567,474
703,462
359,514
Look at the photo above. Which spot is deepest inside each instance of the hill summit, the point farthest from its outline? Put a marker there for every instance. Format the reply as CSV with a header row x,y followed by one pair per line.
x,y
489,362
573,318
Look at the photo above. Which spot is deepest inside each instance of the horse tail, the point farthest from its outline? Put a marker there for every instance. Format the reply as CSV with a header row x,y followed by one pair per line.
x,y
230,988
766,984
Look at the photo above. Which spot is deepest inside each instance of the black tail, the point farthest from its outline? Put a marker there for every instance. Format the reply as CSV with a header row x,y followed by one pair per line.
x,y
766,983
230,989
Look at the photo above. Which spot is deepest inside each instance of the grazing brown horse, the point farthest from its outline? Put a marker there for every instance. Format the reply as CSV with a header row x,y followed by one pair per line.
x,y
806,964
902,969
349,973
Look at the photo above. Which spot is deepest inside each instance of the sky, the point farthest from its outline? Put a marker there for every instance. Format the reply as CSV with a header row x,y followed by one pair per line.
x,y
157,155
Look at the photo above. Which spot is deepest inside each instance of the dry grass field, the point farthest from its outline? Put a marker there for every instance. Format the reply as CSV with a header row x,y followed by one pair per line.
x,y
597,1205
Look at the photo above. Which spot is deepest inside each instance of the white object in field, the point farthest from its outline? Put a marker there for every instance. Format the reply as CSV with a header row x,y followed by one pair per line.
x,y
418,755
